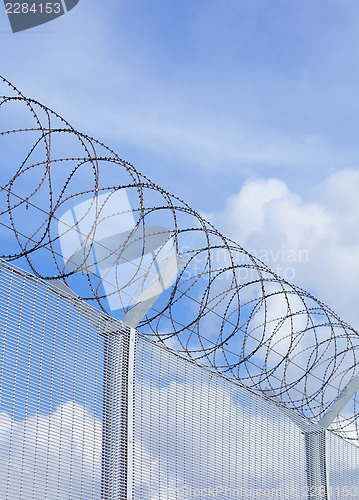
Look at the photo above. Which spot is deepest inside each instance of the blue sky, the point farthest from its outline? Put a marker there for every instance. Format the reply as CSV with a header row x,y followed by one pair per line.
x,y
208,97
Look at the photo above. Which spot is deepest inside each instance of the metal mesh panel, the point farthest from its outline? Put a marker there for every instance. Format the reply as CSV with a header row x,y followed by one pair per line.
x,y
67,414
51,366
199,435
343,468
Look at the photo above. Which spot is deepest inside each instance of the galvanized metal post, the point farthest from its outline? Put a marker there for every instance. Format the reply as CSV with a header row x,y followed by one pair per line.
x,y
114,426
130,411
117,438
315,457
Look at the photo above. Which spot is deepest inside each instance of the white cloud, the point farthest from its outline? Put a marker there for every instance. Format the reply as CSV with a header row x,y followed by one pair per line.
x,y
312,242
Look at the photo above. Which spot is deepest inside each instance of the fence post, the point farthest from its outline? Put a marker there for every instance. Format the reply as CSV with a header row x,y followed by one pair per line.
x,y
130,411
315,457
118,400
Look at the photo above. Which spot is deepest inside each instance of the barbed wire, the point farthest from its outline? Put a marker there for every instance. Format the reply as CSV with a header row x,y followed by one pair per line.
x,y
226,307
